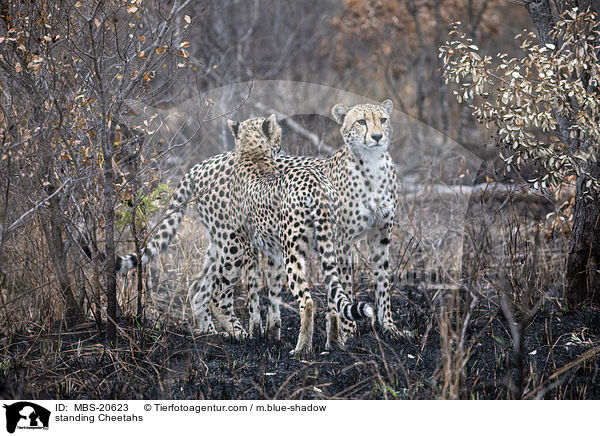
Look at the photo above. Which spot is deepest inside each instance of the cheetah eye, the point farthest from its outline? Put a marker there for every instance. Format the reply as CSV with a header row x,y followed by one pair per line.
x,y
362,122
384,120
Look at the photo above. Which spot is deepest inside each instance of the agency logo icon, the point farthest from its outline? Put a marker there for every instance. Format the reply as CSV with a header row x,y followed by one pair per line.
x,y
26,415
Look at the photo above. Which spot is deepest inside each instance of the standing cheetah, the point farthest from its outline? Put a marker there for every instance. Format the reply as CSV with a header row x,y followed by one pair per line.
x,y
363,174
284,214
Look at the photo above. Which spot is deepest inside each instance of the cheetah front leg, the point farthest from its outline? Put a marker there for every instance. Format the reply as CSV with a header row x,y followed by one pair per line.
x,y
345,327
340,309
379,245
344,258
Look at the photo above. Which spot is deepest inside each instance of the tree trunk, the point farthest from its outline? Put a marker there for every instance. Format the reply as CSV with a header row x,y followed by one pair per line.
x,y
583,280
541,14
107,137
56,248
110,273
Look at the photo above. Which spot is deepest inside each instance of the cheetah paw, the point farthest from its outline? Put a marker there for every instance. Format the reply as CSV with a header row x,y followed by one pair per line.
x,y
302,351
207,329
274,331
238,334
255,328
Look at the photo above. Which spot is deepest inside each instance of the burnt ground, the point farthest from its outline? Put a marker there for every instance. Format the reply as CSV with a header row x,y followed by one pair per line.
x,y
163,359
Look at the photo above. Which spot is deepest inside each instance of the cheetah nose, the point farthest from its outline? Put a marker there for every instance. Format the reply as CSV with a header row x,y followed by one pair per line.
x,y
377,136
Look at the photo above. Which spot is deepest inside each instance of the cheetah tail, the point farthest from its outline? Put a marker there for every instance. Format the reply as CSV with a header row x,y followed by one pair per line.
x,y
355,311
125,263
167,228
161,239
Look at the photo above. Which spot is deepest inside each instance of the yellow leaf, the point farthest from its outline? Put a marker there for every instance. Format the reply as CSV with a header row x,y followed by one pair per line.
x,y
184,44
187,19
148,75
132,9
97,22
78,4
159,50
142,38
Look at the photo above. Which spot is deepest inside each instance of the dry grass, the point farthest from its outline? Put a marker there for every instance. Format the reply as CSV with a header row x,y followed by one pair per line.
x,y
487,323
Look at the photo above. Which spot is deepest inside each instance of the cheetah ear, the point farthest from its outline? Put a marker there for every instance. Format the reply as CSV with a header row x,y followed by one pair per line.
x,y
388,106
234,126
268,125
339,112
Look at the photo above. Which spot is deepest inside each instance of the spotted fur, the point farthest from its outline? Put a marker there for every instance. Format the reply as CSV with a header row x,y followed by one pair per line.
x,y
363,175
283,214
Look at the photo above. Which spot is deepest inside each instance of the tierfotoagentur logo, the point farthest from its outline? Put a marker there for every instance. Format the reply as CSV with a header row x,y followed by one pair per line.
x,y
26,415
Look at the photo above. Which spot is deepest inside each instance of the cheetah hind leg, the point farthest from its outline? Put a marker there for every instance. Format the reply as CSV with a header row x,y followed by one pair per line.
x,y
222,308
200,297
339,330
295,249
333,329
255,327
275,276
347,329
199,293
304,345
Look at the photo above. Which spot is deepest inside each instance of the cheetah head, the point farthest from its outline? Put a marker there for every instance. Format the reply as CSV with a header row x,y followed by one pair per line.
x,y
365,127
256,136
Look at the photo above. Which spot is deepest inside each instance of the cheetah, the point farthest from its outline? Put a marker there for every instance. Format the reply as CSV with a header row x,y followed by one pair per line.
x,y
283,214
363,174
